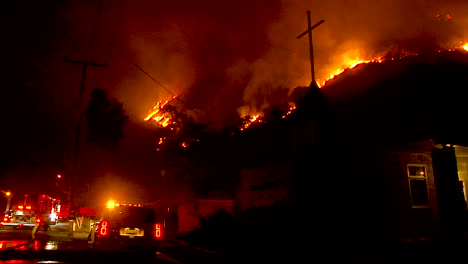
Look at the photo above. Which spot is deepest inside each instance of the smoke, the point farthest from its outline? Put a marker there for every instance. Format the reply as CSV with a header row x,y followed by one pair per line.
x,y
225,57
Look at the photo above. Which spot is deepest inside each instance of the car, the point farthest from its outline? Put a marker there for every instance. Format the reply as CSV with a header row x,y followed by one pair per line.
x,y
126,228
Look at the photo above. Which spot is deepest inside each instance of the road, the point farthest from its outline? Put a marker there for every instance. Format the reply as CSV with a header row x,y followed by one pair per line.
x,y
57,245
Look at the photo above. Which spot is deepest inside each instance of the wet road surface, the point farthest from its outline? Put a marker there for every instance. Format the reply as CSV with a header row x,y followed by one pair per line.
x,y
57,246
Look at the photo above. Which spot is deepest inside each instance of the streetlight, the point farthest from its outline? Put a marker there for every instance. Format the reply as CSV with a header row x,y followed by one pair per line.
x,y
8,195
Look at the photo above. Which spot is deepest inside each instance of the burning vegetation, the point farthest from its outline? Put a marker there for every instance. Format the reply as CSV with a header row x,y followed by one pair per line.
x,y
280,67
168,116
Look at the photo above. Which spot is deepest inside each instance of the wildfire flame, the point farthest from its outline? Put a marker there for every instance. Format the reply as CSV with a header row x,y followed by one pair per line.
x,y
163,117
160,114
251,120
349,64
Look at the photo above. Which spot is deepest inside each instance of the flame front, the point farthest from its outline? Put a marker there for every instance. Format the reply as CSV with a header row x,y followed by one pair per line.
x,y
347,64
349,60
160,113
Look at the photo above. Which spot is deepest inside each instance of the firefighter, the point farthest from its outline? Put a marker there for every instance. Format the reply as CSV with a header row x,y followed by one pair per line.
x,y
37,225
41,223
45,221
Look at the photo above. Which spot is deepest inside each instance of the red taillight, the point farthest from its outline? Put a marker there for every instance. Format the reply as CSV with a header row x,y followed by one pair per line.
x,y
158,231
104,226
20,207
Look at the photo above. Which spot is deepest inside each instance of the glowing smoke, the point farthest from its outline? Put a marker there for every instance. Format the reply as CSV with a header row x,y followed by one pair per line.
x,y
225,57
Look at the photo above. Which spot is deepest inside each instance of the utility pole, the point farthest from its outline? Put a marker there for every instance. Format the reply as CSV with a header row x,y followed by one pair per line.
x,y
76,149
311,49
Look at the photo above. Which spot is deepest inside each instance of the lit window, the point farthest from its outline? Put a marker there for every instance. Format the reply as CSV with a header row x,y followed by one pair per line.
x,y
418,185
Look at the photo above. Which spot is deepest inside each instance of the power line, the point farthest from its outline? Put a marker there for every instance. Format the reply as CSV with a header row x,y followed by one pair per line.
x,y
160,84
149,75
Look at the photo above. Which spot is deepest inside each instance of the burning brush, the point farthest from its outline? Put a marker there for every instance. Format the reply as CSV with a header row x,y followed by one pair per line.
x,y
163,113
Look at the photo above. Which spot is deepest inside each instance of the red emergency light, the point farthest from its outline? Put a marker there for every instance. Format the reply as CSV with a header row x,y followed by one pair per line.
x,y
157,231
104,226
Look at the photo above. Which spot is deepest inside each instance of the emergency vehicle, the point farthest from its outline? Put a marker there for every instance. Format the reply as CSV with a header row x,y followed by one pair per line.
x,y
126,227
31,210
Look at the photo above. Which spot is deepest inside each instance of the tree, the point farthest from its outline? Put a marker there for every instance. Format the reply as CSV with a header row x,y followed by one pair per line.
x,y
106,118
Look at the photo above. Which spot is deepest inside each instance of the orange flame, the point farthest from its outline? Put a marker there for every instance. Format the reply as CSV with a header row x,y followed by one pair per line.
x,y
159,113
252,119
349,60
348,63
465,46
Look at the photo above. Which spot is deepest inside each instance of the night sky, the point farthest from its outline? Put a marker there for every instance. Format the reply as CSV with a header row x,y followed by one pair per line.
x,y
223,58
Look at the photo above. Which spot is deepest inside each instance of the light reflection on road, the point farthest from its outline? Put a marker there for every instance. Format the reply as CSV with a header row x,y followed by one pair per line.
x,y
51,245
29,245
4,244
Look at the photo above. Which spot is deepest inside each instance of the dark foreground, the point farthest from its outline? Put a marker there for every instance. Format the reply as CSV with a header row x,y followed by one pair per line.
x,y
57,246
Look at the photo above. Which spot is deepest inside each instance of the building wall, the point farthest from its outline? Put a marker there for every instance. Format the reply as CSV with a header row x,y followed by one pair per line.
x,y
189,215
410,220
462,166
265,186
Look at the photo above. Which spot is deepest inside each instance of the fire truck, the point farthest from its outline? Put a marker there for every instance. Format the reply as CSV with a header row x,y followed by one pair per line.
x,y
31,210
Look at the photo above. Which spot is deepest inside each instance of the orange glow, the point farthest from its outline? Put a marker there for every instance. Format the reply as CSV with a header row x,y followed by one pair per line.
x,y
110,204
350,58
161,113
465,46
254,118
445,17
291,109
8,194
348,63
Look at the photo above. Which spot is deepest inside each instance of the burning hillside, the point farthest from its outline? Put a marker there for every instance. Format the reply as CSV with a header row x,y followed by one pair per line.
x,y
165,113
224,59
415,98
244,88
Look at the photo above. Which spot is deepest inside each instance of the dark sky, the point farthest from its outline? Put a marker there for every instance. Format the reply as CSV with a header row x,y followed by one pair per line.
x,y
222,57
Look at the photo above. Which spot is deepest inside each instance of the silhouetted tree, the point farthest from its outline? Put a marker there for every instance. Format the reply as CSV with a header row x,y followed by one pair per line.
x,y
106,118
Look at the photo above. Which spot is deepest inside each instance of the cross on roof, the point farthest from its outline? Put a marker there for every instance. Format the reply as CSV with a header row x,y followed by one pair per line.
x,y
309,31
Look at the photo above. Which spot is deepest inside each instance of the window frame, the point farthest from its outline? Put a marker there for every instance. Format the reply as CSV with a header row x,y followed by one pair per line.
x,y
417,178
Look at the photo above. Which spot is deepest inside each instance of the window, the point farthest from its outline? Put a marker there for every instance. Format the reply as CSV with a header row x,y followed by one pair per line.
x,y
418,185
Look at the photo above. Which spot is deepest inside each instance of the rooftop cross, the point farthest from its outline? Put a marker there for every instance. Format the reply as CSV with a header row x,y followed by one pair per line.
x,y
309,31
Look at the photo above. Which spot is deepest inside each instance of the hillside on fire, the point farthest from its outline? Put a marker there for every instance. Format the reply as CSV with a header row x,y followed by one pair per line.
x,y
413,98
328,152
371,106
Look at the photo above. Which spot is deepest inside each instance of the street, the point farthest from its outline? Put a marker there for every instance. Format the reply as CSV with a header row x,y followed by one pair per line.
x,y
57,245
